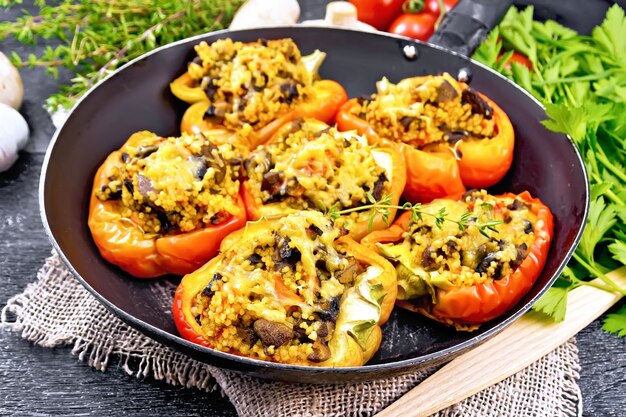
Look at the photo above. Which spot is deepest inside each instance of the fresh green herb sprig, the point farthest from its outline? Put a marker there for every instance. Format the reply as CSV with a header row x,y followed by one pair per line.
x,y
382,207
97,36
581,80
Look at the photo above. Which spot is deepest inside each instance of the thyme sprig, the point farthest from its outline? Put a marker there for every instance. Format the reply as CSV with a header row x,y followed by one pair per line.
x,y
97,36
381,207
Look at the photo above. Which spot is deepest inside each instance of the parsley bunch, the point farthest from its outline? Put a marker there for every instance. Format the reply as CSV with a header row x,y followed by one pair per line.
x,y
581,80
97,36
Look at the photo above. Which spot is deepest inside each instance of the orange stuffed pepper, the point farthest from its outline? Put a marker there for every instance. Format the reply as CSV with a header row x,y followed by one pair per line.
x,y
289,290
451,136
309,165
458,275
251,89
163,205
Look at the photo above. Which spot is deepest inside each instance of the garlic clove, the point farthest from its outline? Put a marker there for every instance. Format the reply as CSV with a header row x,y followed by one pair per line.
x,y
14,134
11,88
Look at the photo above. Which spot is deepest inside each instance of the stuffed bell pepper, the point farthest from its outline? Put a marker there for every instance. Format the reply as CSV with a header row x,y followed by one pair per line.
x,y
462,273
250,89
289,290
309,165
450,135
163,205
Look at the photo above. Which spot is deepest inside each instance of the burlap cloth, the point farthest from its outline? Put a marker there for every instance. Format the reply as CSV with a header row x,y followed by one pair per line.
x,y
57,311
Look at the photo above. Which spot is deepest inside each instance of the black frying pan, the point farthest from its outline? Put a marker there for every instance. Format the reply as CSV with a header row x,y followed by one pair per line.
x,y
137,97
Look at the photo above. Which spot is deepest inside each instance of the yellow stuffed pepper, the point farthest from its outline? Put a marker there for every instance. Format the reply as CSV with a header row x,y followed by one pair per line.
x,y
251,89
309,165
289,290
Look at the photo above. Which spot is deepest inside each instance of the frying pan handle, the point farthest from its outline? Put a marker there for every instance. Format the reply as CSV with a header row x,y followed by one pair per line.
x,y
465,26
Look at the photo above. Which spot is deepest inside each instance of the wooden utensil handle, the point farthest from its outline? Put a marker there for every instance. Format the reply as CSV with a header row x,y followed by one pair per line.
x,y
516,347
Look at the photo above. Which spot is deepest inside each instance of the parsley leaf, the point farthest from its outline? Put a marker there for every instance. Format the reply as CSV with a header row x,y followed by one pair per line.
x,y
568,120
488,52
618,249
616,322
612,88
621,213
601,219
598,190
553,303
611,34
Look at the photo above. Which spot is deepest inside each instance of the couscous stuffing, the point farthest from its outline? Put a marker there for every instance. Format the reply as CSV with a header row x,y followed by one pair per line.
x,y
316,167
427,110
442,256
277,295
171,185
250,84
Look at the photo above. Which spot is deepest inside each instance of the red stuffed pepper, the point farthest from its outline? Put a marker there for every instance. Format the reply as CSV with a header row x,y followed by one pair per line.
x,y
309,165
251,89
289,290
451,136
163,205
457,275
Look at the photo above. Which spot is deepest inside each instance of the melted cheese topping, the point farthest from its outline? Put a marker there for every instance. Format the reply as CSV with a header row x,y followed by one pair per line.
x,y
317,167
175,184
421,112
289,275
251,83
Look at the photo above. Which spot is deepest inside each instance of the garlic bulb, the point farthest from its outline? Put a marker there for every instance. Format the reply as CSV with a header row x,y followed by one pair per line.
x,y
258,13
13,135
11,88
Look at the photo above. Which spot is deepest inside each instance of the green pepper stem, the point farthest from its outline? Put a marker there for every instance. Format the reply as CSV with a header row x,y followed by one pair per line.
x,y
413,6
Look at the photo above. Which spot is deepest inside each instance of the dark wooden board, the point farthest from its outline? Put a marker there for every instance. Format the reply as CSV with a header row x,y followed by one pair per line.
x,y
39,381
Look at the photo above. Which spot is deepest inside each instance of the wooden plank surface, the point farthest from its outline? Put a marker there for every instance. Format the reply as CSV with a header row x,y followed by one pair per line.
x,y
36,381
530,338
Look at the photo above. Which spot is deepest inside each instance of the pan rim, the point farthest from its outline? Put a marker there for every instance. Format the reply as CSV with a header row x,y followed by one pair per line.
x,y
174,340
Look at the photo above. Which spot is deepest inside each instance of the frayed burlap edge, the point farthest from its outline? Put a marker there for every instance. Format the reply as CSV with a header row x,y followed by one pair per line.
x,y
73,317
57,311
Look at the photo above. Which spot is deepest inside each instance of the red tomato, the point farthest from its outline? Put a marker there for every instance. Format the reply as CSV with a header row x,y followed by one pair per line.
x,y
378,13
417,26
432,6
520,59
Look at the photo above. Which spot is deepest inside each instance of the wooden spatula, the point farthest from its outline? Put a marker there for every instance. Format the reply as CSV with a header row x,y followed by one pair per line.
x,y
531,337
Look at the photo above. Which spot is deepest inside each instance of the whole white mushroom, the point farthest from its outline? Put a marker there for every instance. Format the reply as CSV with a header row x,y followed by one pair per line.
x,y
13,135
11,88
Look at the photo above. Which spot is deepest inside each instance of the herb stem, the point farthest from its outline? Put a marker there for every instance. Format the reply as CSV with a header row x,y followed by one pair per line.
x,y
367,207
615,198
442,13
601,156
614,287
596,285
382,207
610,194
590,77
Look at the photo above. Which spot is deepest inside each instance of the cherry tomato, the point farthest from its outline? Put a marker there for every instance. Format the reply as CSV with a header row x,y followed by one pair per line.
x,y
378,13
417,26
520,59
432,6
